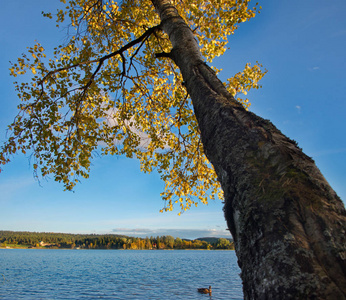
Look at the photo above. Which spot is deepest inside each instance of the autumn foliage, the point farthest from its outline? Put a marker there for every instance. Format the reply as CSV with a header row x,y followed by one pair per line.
x,y
110,89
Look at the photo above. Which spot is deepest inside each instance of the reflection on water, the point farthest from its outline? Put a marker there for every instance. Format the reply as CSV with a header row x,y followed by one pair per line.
x,y
117,274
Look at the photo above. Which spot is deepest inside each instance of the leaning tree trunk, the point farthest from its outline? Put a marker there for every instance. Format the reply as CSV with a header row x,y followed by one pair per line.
x,y
287,223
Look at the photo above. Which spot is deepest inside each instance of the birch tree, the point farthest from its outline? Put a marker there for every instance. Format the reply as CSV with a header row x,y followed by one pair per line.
x,y
133,79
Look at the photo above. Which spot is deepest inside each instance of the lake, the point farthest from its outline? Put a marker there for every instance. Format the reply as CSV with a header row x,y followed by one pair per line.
x,y
118,274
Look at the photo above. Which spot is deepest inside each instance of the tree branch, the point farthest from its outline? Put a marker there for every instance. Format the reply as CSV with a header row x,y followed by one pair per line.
x,y
163,54
144,36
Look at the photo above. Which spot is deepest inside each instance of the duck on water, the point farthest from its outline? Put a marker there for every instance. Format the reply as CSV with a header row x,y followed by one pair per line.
x,y
204,290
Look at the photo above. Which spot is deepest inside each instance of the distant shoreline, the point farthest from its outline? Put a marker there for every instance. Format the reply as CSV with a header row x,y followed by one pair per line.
x,y
50,240
52,248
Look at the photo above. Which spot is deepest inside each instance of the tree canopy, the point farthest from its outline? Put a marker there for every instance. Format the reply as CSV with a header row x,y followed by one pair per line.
x,y
111,89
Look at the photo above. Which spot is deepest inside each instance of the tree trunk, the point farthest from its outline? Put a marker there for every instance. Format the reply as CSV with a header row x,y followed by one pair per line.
x,y
287,223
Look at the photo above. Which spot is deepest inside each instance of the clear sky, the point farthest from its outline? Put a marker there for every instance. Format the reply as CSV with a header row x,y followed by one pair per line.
x,y
303,46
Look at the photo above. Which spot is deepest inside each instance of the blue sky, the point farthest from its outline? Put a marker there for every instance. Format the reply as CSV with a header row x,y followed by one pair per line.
x,y
303,46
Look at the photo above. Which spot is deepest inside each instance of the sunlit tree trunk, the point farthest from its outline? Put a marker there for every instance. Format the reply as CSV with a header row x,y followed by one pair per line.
x,y
287,222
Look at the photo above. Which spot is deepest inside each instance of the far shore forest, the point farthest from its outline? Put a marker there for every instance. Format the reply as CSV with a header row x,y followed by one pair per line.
x,y
44,240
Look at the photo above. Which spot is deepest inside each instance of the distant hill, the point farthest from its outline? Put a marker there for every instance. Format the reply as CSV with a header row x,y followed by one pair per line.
x,y
211,240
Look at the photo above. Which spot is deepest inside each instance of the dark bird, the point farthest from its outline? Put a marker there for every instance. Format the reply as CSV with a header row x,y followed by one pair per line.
x,y
205,290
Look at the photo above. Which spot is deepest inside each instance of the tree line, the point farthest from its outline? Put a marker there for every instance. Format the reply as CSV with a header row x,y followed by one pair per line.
x,y
107,241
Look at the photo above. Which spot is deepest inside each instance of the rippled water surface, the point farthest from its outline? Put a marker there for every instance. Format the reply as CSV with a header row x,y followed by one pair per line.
x,y
117,274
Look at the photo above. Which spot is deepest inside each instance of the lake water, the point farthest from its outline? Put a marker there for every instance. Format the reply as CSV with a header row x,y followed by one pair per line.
x,y
118,274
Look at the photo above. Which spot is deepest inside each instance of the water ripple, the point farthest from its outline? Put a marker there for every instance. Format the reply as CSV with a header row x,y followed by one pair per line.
x,y
117,274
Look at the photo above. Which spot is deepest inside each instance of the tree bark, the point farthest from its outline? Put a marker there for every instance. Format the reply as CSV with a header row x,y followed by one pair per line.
x,y
287,222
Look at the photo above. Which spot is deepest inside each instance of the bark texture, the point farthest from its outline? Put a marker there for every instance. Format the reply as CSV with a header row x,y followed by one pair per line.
x,y
287,222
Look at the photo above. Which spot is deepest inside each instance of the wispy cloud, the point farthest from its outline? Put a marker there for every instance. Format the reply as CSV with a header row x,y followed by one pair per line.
x,y
339,33
299,109
175,232
315,68
112,118
328,152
